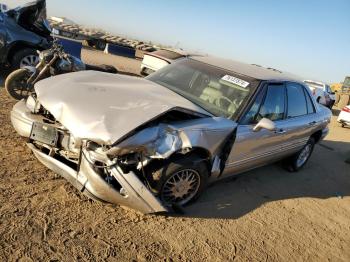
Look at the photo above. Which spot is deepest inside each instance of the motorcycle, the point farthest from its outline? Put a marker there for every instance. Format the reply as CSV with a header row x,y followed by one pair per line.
x,y
54,61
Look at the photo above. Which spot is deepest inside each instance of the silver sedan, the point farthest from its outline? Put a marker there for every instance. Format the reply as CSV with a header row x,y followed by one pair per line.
x,y
156,143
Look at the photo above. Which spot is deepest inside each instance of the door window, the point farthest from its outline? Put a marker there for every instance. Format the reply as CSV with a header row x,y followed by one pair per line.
x,y
273,107
251,115
296,100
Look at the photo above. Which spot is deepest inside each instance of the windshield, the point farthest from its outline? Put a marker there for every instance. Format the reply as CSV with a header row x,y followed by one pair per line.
x,y
218,91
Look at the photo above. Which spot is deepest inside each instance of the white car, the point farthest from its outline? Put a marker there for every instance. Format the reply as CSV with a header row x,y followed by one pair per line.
x,y
344,116
158,59
3,8
322,93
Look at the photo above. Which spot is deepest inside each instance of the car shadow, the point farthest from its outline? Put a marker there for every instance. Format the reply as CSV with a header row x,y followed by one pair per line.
x,y
326,175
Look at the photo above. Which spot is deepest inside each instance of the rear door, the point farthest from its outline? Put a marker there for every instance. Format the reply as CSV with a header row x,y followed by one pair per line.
x,y
300,119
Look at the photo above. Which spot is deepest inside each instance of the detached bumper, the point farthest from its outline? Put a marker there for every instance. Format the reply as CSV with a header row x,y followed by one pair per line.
x,y
135,194
131,191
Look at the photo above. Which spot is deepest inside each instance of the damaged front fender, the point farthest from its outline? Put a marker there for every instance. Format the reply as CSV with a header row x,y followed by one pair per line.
x,y
163,140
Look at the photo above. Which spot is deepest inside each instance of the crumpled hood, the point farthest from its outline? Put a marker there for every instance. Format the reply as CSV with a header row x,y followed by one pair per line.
x,y
105,107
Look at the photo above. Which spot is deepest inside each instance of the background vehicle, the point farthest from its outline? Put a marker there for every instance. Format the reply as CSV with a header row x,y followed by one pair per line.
x,y
20,83
322,93
3,8
158,59
24,30
344,116
343,95
203,119
99,39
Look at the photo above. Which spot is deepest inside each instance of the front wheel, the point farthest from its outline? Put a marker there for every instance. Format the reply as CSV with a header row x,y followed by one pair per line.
x,y
16,84
182,180
297,161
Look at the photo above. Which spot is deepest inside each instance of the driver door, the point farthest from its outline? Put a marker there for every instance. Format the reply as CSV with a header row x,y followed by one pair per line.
x,y
252,149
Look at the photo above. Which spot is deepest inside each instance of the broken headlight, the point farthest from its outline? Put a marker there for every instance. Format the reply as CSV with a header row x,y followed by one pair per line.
x,y
33,105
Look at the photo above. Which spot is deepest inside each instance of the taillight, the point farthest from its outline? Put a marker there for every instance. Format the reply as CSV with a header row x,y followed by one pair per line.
x,y
346,109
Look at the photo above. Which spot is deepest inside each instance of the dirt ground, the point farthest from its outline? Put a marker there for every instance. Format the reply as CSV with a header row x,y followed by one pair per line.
x,y
264,215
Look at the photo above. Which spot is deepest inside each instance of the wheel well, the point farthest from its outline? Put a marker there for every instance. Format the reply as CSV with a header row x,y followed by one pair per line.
x,y
195,151
16,47
201,152
317,136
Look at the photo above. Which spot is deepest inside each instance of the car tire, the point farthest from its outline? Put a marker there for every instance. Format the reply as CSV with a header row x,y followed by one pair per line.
x,y
18,58
172,180
298,160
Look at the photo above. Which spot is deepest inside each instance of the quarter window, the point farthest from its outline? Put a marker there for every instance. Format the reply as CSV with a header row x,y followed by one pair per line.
x,y
310,106
296,100
274,104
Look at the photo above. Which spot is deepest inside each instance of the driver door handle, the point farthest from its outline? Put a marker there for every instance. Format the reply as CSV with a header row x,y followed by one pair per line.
x,y
280,131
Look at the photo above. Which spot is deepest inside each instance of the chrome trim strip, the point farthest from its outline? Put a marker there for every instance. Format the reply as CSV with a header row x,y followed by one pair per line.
x,y
288,146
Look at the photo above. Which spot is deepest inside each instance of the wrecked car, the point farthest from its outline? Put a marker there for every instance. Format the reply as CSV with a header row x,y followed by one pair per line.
x,y
23,31
154,144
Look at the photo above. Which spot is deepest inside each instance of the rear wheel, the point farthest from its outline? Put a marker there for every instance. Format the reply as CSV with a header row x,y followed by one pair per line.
x,y
16,84
181,181
25,57
297,161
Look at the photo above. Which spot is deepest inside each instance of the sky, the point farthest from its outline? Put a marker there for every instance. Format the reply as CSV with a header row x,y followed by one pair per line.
x,y
307,38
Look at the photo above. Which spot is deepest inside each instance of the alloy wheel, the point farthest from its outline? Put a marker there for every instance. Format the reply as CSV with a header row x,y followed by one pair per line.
x,y
304,155
29,60
181,187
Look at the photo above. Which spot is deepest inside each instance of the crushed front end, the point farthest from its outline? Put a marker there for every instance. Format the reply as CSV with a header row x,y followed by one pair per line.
x,y
85,164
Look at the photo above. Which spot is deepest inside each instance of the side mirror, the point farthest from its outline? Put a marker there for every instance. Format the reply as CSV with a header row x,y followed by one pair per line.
x,y
266,124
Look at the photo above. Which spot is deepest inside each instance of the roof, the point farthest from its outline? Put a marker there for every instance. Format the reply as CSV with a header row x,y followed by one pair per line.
x,y
308,81
252,70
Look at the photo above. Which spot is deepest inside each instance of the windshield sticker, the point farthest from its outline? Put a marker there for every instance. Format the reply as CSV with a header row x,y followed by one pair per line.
x,y
235,81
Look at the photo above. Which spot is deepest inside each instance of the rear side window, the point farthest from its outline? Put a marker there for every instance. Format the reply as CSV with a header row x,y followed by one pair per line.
x,y
273,107
296,100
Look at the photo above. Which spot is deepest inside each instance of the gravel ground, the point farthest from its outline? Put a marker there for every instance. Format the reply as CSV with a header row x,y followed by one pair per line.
x,y
264,215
